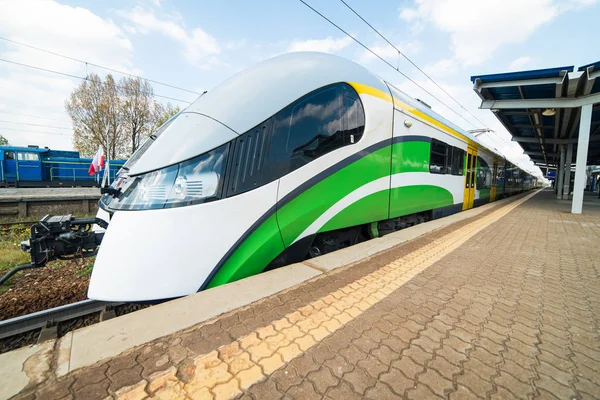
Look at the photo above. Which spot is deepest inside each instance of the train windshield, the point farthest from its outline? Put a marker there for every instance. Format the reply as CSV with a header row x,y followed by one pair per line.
x,y
146,145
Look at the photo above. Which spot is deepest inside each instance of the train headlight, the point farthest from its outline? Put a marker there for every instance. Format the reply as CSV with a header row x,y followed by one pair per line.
x,y
193,181
180,189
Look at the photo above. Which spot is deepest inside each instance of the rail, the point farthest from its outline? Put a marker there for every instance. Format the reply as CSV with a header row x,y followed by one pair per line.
x,y
40,319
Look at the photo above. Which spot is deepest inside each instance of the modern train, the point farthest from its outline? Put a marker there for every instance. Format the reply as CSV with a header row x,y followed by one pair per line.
x,y
33,166
295,157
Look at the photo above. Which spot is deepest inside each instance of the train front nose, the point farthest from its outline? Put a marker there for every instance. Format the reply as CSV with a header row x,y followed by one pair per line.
x,y
159,254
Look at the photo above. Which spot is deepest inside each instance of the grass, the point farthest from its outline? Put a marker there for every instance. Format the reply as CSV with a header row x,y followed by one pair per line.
x,y
10,249
87,269
8,219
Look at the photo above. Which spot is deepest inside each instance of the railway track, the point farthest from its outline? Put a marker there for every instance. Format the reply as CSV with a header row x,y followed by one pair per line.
x,y
56,322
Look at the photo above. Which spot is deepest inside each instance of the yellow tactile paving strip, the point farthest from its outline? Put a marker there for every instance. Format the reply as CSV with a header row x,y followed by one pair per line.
x,y
225,372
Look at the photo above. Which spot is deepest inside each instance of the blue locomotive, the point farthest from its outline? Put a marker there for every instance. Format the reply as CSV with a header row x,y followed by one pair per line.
x,y
33,166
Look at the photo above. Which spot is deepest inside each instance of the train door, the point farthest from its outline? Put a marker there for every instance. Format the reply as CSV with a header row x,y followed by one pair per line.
x,y
29,166
470,178
10,166
494,180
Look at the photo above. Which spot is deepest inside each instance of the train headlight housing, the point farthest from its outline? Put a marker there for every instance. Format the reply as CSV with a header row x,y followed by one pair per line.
x,y
191,185
194,181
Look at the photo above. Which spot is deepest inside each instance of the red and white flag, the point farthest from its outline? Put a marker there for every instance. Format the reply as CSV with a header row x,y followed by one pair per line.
x,y
97,163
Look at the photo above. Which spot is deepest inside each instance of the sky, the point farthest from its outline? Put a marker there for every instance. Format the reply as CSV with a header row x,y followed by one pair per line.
x,y
195,45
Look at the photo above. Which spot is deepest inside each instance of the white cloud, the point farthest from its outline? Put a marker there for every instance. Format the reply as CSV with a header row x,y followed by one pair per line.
x,y
73,31
520,63
130,29
236,44
387,52
199,47
477,28
327,45
442,68
578,3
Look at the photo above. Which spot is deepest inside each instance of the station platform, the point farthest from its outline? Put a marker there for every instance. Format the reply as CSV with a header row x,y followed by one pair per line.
x,y
16,194
26,202
502,301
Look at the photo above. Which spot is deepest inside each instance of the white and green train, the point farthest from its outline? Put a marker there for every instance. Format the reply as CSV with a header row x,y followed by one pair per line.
x,y
297,156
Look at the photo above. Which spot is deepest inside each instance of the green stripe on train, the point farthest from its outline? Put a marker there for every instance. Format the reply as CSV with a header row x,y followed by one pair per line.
x,y
265,243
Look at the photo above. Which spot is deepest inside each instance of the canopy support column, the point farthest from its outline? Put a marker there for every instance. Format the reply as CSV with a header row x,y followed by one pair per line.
x,y
560,173
585,124
567,174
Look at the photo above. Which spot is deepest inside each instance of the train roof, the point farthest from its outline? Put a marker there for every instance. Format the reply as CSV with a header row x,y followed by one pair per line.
x,y
240,103
255,94
30,149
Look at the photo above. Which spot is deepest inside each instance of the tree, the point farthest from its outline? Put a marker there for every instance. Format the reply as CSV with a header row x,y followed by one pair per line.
x,y
164,114
117,117
95,110
3,141
140,110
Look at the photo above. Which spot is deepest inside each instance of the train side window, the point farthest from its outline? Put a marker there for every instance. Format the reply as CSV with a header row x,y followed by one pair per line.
x,y
9,155
25,156
438,156
316,124
353,116
458,161
448,159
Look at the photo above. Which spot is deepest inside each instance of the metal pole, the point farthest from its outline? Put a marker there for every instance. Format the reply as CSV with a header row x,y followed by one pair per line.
x,y
567,175
560,173
105,178
585,124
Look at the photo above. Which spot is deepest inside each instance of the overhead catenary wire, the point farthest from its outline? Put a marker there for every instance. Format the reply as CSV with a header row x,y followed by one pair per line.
x,y
30,115
96,65
386,62
40,125
2,129
83,79
410,61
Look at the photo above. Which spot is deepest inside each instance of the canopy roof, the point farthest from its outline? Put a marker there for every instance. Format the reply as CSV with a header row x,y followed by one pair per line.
x,y
520,100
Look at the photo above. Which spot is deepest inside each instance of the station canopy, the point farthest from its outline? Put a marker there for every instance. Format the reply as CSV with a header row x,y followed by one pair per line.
x,y
541,108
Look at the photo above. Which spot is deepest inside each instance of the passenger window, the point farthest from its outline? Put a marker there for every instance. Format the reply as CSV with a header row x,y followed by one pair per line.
x,y
458,161
320,122
438,156
9,155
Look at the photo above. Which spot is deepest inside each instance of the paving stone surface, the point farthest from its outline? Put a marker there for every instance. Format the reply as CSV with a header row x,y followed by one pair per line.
x,y
504,305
